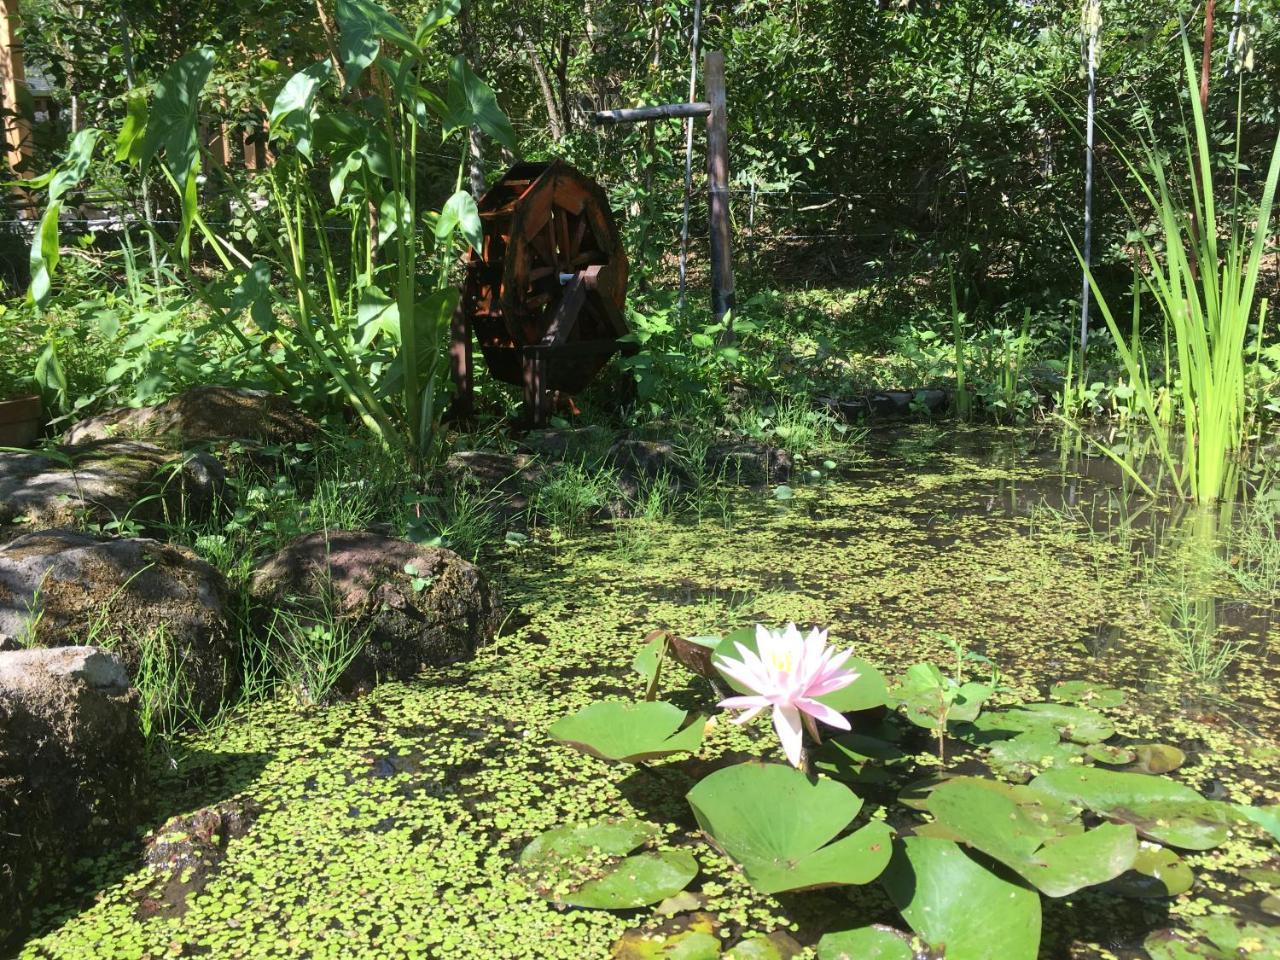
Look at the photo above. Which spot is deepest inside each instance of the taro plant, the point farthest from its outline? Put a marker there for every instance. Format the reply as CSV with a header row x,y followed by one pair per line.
x,y
1202,274
369,313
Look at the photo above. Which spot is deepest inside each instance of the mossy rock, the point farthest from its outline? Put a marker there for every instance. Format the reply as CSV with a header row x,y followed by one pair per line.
x,y
416,606
71,770
139,597
202,414
104,482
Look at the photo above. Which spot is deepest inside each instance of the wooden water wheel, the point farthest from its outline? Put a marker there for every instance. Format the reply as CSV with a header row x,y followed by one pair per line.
x,y
544,295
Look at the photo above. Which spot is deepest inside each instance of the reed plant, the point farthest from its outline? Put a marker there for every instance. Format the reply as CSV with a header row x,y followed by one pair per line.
x,y
1204,282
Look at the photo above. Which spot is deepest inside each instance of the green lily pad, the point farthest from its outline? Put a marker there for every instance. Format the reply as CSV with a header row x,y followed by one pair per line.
x,y
1270,905
629,732
1268,818
1030,752
867,692
867,943
1267,876
690,937
1112,756
1157,872
781,827
1057,865
775,946
857,758
1157,758
1077,724
926,694
1161,809
587,865
949,899
1086,693
1214,938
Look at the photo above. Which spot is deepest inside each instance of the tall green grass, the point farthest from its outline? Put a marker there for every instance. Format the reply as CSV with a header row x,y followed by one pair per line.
x,y
1204,282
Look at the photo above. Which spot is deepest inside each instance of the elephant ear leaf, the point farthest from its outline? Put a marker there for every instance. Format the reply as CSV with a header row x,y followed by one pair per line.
x,y
472,103
292,111
362,26
59,180
171,130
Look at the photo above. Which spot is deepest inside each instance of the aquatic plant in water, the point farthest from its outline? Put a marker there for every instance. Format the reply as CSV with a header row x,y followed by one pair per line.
x,y
787,674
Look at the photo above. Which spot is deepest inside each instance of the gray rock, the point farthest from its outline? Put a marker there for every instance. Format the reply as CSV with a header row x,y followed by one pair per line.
x,y
574,444
102,482
202,415
72,765
643,462
752,464
444,618
58,587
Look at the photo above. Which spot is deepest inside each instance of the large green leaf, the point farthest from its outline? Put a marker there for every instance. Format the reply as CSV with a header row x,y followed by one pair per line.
x,y
781,827
1030,752
435,18
866,943
471,103
1160,809
133,132
59,180
362,26
172,130
630,732
588,865
294,107
948,899
460,213
1086,693
1057,864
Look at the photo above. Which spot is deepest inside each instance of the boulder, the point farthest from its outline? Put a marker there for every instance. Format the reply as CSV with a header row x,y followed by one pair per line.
x,y
139,597
202,415
574,444
502,479
752,464
72,763
640,463
439,613
103,482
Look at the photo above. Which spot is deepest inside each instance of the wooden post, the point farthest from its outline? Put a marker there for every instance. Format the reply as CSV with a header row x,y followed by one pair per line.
x,y
722,295
460,358
15,127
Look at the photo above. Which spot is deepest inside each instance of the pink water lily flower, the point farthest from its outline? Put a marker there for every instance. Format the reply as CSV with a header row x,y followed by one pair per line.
x,y
787,674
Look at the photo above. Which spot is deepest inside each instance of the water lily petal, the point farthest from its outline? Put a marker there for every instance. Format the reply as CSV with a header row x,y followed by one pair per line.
x,y
786,721
821,711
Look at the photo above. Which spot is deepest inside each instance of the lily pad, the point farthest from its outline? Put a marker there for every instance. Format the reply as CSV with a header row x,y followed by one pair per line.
x,y
1112,756
1268,818
867,943
587,865
1157,758
690,937
1086,693
1030,752
1161,809
781,827
857,758
950,899
1057,865
629,732
1077,724
927,694
1157,872
775,946
1214,938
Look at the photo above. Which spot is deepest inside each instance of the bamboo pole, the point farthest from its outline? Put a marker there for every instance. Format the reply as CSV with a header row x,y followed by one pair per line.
x,y
688,150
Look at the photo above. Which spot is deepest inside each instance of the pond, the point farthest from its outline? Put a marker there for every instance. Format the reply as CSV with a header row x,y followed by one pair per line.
x,y
392,825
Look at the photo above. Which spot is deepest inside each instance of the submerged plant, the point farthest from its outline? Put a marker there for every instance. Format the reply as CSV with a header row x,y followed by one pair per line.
x,y
787,674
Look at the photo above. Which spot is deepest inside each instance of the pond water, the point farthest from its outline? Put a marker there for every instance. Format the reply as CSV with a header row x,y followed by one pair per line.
x,y
389,826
